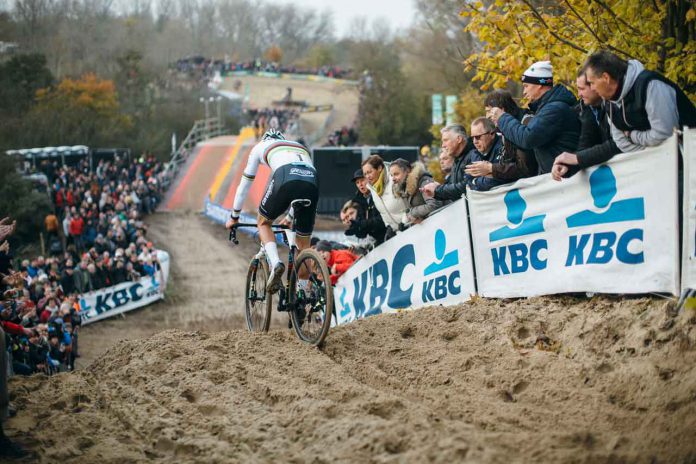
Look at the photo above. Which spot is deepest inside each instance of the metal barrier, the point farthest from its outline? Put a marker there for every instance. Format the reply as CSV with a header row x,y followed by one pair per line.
x,y
203,129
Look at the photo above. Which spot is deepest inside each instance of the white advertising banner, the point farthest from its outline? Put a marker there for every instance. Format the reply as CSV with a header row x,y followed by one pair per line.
x,y
689,236
127,296
609,229
428,264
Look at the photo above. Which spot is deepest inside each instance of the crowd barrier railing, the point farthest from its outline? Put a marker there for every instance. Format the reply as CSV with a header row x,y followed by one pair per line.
x,y
127,296
689,212
611,228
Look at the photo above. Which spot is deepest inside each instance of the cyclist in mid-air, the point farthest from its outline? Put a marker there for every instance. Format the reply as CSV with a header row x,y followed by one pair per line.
x,y
293,177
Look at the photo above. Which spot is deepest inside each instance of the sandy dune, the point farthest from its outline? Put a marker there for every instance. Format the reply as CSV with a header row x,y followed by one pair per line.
x,y
531,380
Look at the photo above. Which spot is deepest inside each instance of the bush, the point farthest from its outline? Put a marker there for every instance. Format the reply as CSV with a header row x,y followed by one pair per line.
x,y
22,203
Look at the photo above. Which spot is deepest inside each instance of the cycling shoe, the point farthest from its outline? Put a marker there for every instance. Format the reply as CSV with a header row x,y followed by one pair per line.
x,y
275,279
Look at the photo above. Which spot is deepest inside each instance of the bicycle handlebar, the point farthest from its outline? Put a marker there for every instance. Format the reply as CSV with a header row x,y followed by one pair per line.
x,y
233,230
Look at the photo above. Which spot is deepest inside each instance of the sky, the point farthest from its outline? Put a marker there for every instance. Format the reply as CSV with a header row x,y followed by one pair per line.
x,y
398,13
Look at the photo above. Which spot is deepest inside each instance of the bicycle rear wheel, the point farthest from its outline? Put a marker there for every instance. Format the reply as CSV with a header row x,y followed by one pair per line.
x,y
312,297
259,303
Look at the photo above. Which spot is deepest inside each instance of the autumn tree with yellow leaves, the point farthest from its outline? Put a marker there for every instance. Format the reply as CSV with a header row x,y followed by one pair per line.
x,y
514,34
78,111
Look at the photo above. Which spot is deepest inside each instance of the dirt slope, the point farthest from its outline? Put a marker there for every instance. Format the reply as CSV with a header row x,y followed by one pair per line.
x,y
205,285
538,380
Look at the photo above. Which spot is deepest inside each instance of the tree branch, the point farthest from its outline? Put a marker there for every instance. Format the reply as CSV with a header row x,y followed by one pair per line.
x,y
551,31
594,34
616,17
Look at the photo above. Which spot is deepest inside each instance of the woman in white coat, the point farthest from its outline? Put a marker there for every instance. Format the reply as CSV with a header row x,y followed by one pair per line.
x,y
390,206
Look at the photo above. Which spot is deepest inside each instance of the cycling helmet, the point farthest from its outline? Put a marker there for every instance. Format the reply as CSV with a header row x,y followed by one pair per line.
x,y
274,134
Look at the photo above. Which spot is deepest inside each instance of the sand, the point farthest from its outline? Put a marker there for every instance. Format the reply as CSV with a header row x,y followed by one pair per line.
x,y
554,379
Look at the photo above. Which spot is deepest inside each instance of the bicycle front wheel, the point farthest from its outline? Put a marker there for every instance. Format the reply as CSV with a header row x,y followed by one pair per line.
x,y
311,296
259,303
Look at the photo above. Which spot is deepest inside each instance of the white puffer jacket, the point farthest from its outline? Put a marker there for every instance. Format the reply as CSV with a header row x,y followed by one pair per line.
x,y
390,207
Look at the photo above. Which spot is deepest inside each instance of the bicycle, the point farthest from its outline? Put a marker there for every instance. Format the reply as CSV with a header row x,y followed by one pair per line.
x,y
308,298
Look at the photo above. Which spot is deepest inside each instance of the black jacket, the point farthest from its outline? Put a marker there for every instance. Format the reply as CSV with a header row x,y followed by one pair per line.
x,y
495,155
595,145
515,163
457,180
554,129
67,282
369,221
632,115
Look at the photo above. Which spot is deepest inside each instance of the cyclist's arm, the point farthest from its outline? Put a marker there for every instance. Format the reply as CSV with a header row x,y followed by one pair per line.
x,y
247,179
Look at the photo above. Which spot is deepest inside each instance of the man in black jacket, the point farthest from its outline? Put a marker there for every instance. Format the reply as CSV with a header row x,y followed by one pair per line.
x,y
458,145
595,145
368,220
555,127
67,279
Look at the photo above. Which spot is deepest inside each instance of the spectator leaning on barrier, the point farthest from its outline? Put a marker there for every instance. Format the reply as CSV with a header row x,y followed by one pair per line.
x,y
367,223
381,187
644,107
455,141
338,261
555,127
596,144
408,179
515,162
488,153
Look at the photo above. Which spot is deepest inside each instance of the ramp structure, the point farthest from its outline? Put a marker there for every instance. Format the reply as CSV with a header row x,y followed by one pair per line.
x,y
332,103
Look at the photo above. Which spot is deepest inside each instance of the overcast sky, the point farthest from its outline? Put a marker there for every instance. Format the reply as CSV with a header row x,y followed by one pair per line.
x,y
398,13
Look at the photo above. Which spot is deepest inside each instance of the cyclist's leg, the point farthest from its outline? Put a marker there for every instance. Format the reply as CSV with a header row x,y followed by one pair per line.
x,y
272,205
304,220
302,241
268,240
266,234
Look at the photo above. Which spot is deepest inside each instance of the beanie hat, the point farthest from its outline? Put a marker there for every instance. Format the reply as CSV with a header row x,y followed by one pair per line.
x,y
323,245
540,73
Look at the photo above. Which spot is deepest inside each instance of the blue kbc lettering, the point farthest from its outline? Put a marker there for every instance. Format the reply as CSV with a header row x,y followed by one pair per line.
x,y
381,291
443,285
111,300
518,257
345,312
606,245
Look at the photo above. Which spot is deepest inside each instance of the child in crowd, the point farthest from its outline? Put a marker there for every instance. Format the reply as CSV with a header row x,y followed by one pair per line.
x,y
338,261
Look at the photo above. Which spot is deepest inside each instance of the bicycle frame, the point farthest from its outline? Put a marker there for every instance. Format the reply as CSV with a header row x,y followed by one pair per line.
x,y
289,239
309,304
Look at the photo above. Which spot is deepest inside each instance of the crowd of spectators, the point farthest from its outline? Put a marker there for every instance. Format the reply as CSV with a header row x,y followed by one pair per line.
x,y
622,108
97,239
283,119
343,137
208,67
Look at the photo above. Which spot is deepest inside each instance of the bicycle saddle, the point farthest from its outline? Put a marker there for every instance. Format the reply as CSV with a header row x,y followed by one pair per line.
x,y
300,203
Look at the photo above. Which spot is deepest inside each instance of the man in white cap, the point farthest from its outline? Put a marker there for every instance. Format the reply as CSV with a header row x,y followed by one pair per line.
x,y
555,127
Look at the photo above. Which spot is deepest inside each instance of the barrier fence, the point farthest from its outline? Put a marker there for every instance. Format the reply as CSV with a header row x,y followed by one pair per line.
x,y
689,212
426,265
584,234
610,229
127,296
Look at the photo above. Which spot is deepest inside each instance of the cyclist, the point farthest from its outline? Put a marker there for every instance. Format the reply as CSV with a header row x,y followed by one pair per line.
x,y
293,177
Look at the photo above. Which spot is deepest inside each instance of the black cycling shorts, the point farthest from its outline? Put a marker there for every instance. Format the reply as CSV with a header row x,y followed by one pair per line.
x,y
292,182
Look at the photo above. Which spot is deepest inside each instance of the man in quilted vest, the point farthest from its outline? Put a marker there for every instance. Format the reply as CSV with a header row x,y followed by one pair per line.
x,y
644,107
